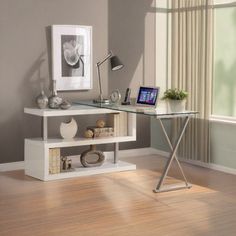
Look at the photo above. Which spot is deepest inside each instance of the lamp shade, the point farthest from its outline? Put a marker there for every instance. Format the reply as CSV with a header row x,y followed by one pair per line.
x,y
116,64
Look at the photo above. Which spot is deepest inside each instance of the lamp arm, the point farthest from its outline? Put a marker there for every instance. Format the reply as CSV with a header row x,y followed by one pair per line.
x,y
105,59
98,72
99,80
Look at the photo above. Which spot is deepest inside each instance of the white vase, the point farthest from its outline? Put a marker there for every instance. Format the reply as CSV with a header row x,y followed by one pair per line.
x,y
176,105
68,130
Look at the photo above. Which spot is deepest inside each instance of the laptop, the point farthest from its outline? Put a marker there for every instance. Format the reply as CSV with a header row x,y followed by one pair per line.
x,y
146,99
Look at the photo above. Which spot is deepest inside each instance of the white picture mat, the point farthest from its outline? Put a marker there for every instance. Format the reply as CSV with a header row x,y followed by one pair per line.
x,y
73,82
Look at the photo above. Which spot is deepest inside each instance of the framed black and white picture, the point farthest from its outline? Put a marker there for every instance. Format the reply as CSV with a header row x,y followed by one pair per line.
x,y
72,57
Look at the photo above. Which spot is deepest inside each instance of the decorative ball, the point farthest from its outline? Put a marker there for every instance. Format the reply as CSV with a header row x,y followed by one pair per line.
x,y
88,133
100,123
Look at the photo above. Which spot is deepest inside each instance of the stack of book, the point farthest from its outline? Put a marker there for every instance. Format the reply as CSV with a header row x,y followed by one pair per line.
x,y
102,132
120,123
54,160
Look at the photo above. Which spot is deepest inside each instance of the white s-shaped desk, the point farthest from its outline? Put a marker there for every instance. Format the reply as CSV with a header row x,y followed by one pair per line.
x,y
161,113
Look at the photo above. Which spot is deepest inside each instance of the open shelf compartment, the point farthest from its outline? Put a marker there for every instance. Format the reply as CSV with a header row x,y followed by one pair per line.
x,y
37,149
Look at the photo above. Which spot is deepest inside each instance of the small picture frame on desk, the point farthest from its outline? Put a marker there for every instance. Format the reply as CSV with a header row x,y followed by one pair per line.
x,y
72,57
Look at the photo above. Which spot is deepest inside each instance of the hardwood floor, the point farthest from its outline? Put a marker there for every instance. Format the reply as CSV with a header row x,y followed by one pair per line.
x,y
119,204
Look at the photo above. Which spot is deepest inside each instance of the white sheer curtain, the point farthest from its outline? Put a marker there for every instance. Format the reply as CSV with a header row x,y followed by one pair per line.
x,y
191,70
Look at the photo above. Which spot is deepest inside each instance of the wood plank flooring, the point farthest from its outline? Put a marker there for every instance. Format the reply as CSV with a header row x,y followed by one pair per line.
x,y
119,204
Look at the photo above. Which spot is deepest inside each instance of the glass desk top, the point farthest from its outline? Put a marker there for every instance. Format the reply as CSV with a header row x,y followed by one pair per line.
x,y
161,110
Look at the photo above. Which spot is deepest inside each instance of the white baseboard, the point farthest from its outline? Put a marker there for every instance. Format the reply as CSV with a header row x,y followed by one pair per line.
x,y
12,166
136,152
154,151
131,153
198,163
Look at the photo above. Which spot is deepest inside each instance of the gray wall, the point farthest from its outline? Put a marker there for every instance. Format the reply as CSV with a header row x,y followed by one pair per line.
x,y
24,59
132,37
24,63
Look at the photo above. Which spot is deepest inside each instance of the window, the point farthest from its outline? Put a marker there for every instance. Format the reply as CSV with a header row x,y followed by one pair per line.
x,y
224,83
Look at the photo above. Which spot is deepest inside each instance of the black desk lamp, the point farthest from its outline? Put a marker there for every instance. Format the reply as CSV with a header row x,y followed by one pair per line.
x,y
115,65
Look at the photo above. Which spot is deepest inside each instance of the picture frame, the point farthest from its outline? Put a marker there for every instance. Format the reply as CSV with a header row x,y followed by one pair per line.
x,y
72,57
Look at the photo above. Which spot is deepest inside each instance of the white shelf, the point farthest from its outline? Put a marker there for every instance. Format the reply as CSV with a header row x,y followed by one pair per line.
x,y
107,167
59,143
73,111
37,149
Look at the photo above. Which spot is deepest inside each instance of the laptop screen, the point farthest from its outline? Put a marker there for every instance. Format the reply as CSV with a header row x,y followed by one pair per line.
x,y
147,96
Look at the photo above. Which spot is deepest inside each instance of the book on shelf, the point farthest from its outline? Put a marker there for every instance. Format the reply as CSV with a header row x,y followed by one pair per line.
x,y
119,122
113,122
54,160
123,124
102,132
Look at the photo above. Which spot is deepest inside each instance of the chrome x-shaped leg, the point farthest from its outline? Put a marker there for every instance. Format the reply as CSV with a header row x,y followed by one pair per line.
x,y
160,187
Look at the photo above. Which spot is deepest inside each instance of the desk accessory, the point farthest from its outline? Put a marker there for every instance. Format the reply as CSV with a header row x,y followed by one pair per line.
x,y
127,97
115,65
115,96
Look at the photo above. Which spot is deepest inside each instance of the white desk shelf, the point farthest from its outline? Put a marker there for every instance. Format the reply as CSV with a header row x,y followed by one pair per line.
x,y
37,149
73,111
60,143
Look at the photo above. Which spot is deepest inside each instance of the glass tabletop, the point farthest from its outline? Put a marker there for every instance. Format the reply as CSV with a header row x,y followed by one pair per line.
x,y
162,109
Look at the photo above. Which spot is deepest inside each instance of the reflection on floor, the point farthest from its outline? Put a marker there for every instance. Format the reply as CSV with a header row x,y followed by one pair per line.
x,y
119,204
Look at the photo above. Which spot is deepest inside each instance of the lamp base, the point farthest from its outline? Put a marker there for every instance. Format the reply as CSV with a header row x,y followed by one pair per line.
x,y
103,101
